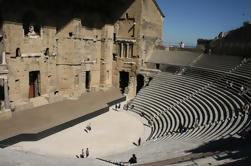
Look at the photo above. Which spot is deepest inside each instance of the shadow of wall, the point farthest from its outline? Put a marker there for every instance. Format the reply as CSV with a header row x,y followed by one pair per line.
x,y
57,13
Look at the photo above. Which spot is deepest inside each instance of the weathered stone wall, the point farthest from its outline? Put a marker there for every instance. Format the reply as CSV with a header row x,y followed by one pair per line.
x,y
127,30
63,54
151,26
1,45
19,67
145,20
78,51
106,56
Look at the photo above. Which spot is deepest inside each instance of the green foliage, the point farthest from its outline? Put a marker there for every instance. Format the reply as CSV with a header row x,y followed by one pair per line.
x,y
245,23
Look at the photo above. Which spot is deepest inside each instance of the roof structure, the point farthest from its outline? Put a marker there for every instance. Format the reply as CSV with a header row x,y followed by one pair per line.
x,y
183,58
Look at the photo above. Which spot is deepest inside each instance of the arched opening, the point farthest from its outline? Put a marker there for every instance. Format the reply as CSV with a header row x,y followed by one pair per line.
x,y
123,80
140,82
18,52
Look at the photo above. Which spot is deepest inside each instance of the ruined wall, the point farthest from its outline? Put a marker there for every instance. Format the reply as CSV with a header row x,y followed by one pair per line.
x,y
127,30
151,26
106,56
141,26
1,44
236,43
110,40
78,52
30,58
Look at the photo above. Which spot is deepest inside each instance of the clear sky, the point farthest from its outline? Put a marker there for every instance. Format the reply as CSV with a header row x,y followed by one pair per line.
x,y
188,20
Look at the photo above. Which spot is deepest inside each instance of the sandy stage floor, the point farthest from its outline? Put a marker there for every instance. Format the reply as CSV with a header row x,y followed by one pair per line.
x,y
111,133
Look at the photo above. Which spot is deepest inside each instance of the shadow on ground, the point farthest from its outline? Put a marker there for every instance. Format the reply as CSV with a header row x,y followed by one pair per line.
x,y
237,149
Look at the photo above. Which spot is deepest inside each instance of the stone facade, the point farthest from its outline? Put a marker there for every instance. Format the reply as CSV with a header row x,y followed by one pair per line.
x,y
74,59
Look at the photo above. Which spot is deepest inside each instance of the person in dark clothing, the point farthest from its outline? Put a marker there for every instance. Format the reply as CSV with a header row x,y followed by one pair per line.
x,y
180,128
87,152
139,141
133,159
142,114
82,155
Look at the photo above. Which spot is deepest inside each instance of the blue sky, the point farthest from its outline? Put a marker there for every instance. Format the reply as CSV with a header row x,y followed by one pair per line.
x,y
188,20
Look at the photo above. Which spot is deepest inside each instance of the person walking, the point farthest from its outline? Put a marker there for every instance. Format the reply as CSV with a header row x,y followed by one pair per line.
x,y
139,141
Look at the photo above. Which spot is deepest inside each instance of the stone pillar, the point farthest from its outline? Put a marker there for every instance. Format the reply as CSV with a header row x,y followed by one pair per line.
x,y
3,58
122,50
6,95
127,50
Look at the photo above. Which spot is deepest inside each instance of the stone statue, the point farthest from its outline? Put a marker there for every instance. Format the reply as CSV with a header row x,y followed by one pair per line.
x,y
32,33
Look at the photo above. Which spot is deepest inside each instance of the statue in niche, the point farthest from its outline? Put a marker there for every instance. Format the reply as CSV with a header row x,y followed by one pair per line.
x,y
32,33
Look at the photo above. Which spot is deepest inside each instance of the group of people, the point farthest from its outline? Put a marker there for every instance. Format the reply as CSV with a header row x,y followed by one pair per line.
x,y
127,107
84,154
229,84
182,128
243,89
117,106
180,72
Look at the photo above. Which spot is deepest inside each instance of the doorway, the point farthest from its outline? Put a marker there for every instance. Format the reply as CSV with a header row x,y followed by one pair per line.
x,y
140,82
123,80
87,80
1,93
34,84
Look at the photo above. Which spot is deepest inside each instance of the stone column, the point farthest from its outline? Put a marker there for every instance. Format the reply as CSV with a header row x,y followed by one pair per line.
x,y
122,50
6,94
127,50
3,58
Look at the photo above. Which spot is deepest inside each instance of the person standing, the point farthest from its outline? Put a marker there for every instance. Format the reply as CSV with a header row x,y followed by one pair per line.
x,y
82,155
242,90
87,152
196,123
180,128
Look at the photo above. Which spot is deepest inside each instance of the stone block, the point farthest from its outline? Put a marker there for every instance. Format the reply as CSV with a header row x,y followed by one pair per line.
x,y
5,114
39,101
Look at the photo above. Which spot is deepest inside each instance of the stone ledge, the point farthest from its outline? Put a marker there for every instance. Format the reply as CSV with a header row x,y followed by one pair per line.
x,y
5,114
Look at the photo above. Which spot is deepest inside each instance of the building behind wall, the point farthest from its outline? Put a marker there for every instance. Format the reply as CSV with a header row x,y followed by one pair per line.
x,y
47,62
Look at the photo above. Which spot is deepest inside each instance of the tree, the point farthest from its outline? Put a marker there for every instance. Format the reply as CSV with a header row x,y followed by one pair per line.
x,y
246,23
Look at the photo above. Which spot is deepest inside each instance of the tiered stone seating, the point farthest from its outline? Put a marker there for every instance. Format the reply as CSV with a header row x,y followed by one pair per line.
x,y
171,100
245,69
216,62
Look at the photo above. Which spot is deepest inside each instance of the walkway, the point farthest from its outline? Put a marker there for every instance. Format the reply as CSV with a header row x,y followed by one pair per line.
x,y
48,119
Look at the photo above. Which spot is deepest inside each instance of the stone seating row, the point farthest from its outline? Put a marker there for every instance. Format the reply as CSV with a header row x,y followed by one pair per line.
x,y
172,100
